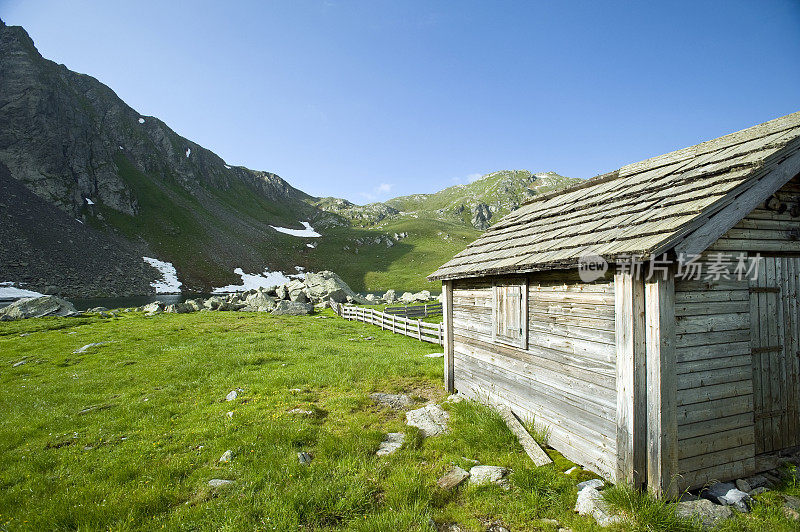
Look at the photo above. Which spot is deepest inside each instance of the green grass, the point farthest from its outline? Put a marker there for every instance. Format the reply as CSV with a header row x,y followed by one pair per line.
x,y
126,435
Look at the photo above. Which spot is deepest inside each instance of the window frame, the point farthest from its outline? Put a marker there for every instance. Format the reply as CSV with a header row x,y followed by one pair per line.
x,y
498,337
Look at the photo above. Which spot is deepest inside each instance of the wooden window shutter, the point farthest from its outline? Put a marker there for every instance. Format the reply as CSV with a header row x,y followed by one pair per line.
x,y
510,314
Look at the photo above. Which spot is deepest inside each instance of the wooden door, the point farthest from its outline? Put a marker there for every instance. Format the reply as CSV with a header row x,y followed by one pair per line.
x,y
775,348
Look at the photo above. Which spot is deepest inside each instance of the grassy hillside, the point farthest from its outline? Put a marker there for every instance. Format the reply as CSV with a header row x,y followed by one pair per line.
x,y
404,266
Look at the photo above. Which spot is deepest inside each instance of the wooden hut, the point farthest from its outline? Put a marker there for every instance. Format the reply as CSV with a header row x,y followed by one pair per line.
x,y
668,382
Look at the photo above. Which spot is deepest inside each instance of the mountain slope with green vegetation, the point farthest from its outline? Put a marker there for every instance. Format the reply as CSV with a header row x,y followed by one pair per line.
x,y
483,201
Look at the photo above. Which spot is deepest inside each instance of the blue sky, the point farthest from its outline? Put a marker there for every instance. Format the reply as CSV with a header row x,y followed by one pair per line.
x,y
370,100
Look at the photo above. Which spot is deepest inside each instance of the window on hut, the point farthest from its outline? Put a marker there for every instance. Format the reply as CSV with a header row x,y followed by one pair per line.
x,y
510,313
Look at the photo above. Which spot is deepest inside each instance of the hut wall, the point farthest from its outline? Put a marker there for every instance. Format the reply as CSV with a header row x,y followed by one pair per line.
x,y
715,328
714,378
565,379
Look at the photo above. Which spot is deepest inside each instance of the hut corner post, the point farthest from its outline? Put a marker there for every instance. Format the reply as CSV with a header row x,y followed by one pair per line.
x,y
447,314
631,413
662,420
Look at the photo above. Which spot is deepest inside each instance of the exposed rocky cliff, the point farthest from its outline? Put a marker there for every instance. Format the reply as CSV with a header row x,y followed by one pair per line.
x,y
63,132
70,142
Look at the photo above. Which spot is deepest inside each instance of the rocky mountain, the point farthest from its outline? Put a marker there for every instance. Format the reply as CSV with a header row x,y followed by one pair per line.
x,y
485,200
90,186
77,147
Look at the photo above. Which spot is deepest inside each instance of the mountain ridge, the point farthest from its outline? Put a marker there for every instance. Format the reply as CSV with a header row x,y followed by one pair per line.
x,y
131,181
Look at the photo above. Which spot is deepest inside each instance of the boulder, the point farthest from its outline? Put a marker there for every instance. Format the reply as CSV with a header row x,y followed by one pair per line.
x,y
292,308
37,307
406,298
431,420
325,285
452,478
294,288
396,401
422,296
393,441
595,483
195,304
704,511
757,481
304,458
390,296
156,307
215,303
180,308
590,502
282,292
480,475
726,494
258,302
370,298
300,297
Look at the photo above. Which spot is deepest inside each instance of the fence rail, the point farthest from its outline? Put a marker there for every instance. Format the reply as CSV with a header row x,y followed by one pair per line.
x,y
415,311
423,331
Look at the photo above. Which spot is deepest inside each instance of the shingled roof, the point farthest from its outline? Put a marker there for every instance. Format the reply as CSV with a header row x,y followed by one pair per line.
x,y
640,210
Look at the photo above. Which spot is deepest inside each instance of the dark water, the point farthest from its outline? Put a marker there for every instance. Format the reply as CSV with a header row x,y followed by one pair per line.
x,y
124,302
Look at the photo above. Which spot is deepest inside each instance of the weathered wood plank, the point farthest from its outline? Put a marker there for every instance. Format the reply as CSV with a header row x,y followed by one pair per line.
x,y
662,423
715,442
528,444
631,411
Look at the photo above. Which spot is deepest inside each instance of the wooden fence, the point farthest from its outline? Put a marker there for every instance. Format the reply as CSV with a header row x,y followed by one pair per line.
x,y
423,331
415,311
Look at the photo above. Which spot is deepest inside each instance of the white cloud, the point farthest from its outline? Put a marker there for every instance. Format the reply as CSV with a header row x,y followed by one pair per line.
x,y
381,190
469,178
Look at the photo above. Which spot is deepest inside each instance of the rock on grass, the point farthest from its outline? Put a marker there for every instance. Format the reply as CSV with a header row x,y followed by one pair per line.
x,y
704,511
396,401
590,502
431,420
219,483
452,478
393,441
480,475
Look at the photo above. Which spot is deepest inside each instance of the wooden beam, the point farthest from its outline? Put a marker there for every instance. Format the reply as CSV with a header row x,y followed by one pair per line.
x,y
447,314
530,446
631,414
720,222
662,387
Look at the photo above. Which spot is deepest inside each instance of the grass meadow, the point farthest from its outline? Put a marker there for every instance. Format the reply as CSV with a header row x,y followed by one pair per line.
x,y
127,434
